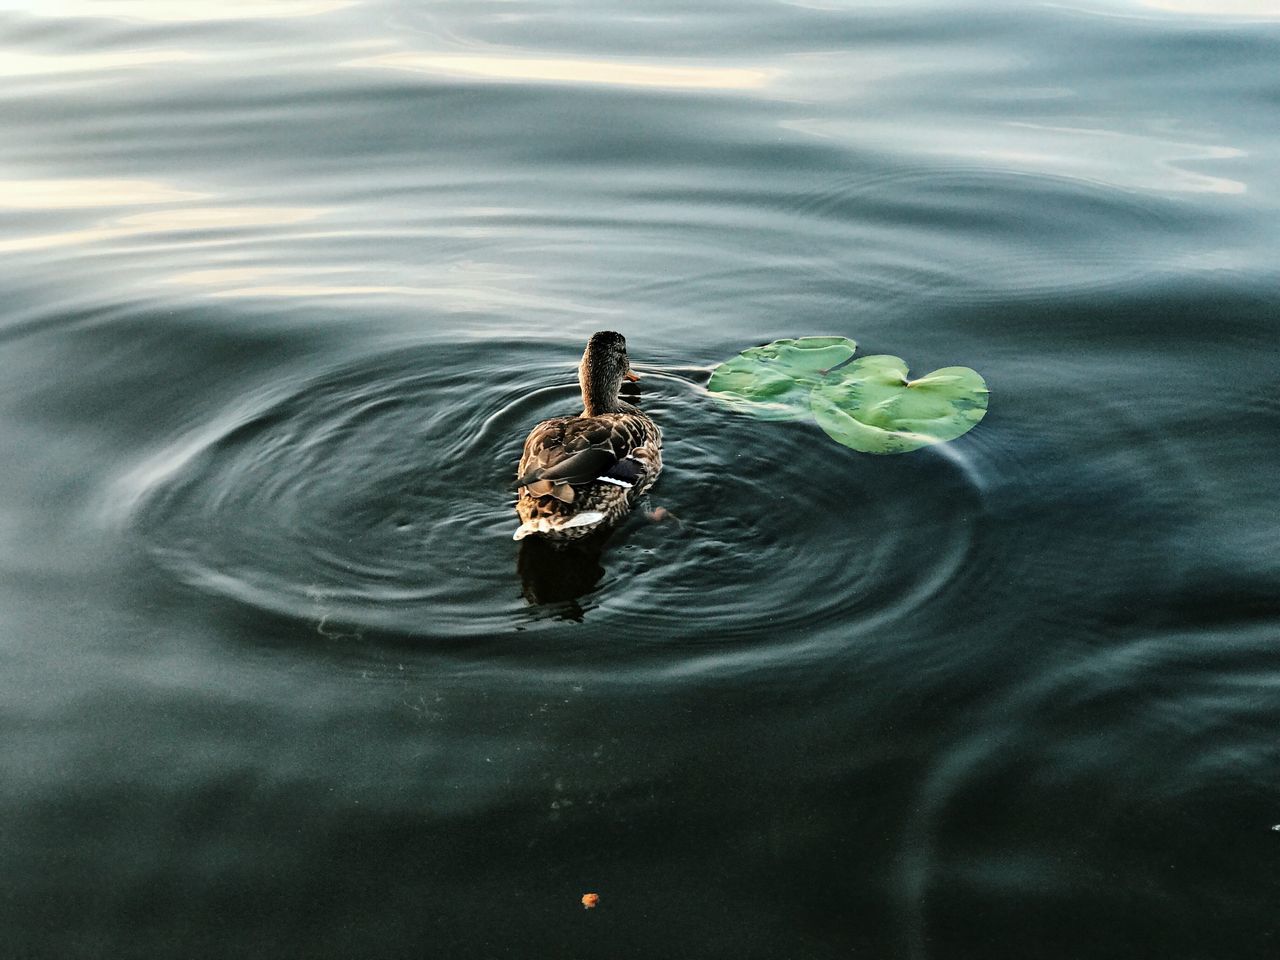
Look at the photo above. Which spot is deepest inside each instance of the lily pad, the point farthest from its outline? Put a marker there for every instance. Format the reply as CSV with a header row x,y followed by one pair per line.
x,y
773,382
873,407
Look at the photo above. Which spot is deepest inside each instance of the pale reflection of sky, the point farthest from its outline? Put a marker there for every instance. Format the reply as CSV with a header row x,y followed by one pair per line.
x,y
1237,10
1130,161
469,289
1218,8
1142,161
73,194
163,221
176,10
36,65
569,70
307,291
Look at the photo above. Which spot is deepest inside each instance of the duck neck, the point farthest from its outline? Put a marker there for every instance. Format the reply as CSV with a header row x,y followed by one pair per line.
x,y
598,398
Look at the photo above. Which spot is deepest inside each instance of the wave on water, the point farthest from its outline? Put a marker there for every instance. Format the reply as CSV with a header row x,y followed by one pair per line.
x,y
377,496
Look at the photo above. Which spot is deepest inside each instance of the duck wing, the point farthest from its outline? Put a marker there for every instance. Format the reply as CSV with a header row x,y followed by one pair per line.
x,y
581,450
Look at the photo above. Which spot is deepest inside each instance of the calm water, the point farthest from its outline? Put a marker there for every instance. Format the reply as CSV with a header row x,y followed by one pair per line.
x,y
286,283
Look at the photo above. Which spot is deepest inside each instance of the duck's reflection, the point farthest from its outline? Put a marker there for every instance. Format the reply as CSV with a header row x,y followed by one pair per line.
x,y
553,573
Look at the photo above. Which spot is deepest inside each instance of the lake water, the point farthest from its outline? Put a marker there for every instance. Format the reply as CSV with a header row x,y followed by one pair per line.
x,y
287,282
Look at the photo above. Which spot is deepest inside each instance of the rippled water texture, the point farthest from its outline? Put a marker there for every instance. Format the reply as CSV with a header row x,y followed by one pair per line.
x,y
288,281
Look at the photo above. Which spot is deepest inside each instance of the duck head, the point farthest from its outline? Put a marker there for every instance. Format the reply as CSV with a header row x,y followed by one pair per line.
x,y
604,366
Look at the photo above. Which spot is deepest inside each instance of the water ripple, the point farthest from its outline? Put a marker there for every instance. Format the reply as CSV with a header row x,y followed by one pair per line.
x,y
1153,724
378,496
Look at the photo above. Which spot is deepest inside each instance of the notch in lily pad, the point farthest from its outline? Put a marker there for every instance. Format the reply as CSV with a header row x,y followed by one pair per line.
x,y
773,382
873,406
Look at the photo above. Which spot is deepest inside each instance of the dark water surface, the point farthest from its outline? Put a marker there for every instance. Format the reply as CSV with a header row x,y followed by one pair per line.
x,y
287,281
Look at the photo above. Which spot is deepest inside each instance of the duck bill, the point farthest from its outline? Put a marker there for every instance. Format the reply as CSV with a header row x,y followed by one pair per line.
x,y
631,375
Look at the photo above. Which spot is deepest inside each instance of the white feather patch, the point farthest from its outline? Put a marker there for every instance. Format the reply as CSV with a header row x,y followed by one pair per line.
x,y
543,525
584,519
530,526
615,482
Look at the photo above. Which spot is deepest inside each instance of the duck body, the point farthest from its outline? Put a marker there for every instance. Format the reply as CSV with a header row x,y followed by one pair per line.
x,y
581,474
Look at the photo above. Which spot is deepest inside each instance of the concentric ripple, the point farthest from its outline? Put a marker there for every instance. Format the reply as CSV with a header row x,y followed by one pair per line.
x,y
1182,747
355,497
781,531
378,496
964,223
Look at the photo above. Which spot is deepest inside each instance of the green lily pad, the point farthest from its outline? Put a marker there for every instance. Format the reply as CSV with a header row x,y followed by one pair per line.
x,y
874,408
773,382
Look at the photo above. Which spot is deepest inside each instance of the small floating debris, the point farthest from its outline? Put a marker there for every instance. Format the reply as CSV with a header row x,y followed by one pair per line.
x,y
589,900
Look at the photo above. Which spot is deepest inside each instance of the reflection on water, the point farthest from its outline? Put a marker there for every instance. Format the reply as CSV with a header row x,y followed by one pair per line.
x,y
72,194
176,11
1118,159
550,574
1166,156
564,70
246,282
487,289
86,65
1174,706
1218,8
178,219
274,331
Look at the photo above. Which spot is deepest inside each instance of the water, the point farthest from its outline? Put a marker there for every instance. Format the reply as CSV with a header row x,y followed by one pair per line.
x,y
286,283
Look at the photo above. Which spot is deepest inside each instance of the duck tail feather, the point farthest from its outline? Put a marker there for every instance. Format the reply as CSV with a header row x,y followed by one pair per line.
x,y
586,518
544,525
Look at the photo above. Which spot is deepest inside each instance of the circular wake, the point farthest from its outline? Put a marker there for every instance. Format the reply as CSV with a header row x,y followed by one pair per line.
x,y
378,496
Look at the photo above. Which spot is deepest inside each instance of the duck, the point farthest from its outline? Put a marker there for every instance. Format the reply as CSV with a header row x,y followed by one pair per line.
x,y
579,475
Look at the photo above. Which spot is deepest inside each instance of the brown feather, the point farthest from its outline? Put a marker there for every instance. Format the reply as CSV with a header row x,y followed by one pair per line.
x,y
563,458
